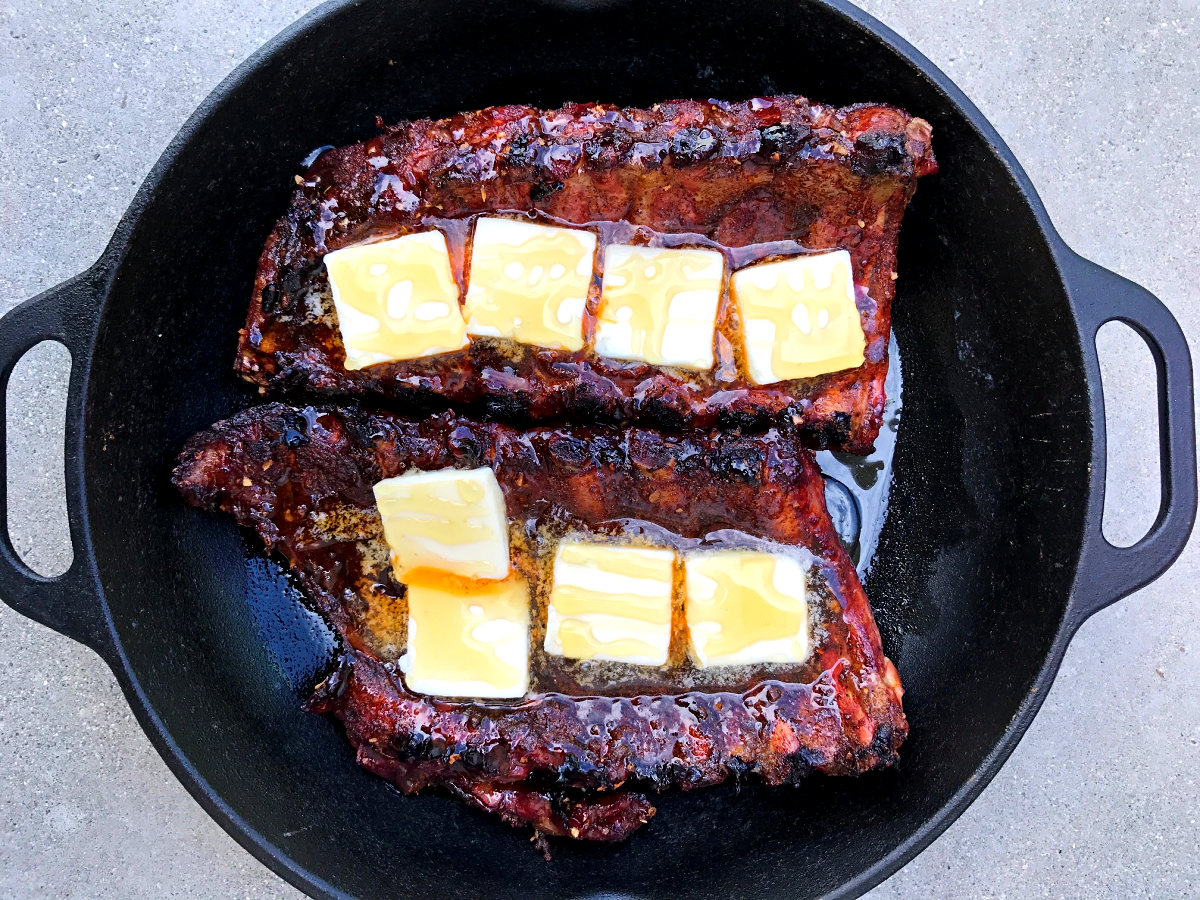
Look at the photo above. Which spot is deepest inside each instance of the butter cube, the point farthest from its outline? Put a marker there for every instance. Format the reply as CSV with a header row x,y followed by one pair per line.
x,y
451,520
529,282
745,606
467,638
659,305
396,300
610,602
798,317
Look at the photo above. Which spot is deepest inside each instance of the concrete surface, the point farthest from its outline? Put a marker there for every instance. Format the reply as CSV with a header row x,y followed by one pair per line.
x,y
1100,103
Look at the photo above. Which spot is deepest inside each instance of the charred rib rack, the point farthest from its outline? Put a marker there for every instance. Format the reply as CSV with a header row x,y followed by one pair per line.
x,y
570,759
756,180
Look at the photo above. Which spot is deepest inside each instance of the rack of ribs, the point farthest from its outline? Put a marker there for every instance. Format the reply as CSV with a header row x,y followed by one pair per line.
x,y
757,181
569,757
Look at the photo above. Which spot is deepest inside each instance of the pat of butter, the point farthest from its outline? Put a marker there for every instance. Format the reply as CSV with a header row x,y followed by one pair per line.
x,y
798,317
467,638
452,520
396,300
610,602
529,283
745,606
659,305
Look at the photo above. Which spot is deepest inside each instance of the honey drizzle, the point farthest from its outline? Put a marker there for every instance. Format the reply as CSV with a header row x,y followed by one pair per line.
x,y
449,612
641,286
729,368
451,515
815,328
755,610
513,288
422,320
583,612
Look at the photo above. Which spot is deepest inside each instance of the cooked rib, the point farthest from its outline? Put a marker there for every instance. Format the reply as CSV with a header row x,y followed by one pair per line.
x,y
768,176
611,816
303,479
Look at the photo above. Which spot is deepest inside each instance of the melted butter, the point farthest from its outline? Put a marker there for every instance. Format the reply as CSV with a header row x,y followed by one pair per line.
x,y
581,640
529,282
659,305
467,638
798,317
450,519
745,607
396,299
610,602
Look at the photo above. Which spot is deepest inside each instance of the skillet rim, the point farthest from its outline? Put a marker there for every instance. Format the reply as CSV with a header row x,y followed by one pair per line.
x,y
106,642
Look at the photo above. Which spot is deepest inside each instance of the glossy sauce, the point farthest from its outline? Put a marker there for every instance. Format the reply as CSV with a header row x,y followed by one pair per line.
x,y
298,639
304,646
857,488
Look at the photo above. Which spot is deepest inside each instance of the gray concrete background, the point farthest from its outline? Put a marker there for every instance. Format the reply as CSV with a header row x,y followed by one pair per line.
x,y
1099,101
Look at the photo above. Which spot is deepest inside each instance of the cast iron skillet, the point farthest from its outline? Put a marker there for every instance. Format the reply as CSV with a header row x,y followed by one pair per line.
x,y
991,558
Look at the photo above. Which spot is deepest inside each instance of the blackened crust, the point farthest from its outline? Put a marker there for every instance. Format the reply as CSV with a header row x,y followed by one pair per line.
x,y
778,169
302,478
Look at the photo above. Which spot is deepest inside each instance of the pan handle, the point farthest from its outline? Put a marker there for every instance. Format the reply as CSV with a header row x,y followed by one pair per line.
x,y
69,603
1108,573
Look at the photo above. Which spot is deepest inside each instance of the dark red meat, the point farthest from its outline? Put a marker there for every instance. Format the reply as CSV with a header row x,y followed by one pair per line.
x,y
612,816
569,764
757,179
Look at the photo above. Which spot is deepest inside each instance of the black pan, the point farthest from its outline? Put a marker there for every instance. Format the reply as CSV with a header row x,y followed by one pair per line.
x,y
992,553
